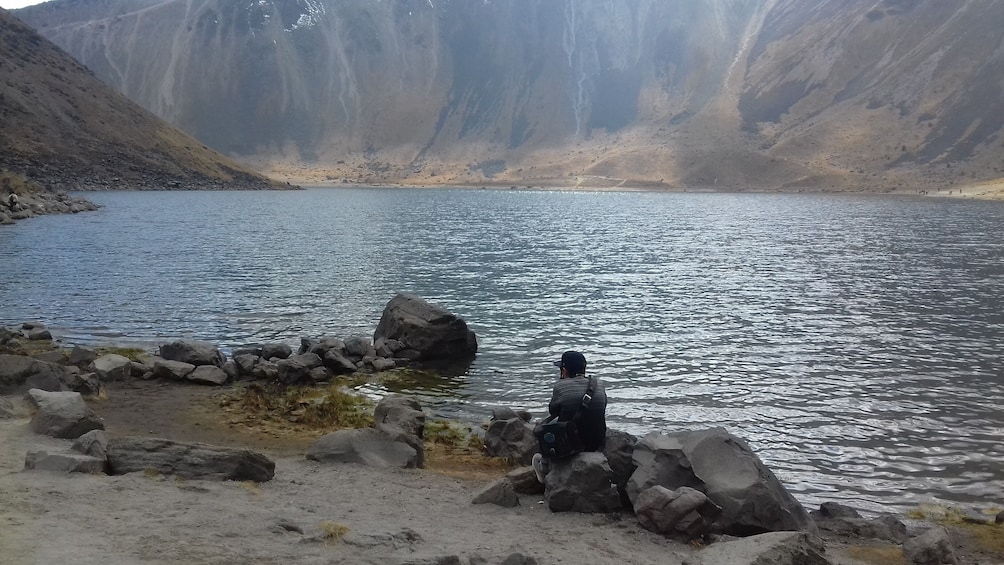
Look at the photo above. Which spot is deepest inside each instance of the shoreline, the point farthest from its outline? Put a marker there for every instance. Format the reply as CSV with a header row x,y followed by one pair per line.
x,y
991,192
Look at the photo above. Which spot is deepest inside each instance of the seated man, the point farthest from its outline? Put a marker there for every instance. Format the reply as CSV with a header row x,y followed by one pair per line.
x,y
567,403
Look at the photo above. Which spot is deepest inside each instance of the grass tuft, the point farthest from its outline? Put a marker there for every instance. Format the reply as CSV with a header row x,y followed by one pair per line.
x,y
130,353
986,535
878,555
333,531
333,407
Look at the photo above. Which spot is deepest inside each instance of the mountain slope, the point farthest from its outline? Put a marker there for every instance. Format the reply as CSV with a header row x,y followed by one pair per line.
x,y
843,94
66,130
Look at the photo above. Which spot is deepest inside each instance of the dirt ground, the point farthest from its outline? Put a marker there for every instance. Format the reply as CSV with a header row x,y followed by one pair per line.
x,y
309,513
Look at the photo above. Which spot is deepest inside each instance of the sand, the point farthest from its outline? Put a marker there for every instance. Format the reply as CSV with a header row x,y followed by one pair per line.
x,y
385,516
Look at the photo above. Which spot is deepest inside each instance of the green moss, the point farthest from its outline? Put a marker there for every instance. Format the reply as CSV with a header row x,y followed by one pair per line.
x,y
333,407
131,353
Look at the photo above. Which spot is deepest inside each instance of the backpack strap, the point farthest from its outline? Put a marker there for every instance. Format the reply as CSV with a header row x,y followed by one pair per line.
x,y
590,391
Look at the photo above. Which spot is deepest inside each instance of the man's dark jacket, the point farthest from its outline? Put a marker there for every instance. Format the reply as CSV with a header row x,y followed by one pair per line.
x,y
592,424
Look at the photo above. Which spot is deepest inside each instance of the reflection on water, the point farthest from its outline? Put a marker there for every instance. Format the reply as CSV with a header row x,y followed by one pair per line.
x,y
854,341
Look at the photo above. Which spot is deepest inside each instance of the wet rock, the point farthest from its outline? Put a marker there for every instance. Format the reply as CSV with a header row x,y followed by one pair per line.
x,y
192,352
338,363
245,364
841,519
358,346
39,335
933,547
276,351
428,329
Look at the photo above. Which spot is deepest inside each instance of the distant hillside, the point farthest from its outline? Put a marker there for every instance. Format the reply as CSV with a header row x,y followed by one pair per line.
x,y
761,94
65,130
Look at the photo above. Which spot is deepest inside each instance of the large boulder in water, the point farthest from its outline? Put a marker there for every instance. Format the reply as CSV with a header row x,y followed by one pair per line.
x,y
430,330
724,468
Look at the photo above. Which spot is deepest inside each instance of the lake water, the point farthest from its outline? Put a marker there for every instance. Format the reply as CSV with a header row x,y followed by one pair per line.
x,y
854,341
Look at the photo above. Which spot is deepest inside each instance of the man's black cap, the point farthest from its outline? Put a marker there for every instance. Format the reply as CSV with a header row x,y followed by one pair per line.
x,y
572,361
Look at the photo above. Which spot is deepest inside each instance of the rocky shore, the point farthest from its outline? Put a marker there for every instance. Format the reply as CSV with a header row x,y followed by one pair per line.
x,y
171,481
39,203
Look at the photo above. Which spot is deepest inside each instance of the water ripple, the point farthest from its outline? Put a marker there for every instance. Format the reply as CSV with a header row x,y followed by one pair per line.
x,y
854,341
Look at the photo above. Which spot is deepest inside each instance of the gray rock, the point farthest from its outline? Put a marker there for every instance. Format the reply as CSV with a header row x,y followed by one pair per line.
x,y
94,443
19,373
32,326
367,446
62,414
724,468
208,375
265,371
499,493
338,363
55,356
684,513
503,413
193,352
581,483
187,460
511,439
400,413
426,328
245,364
86,384
81,356
111,367
171,370
326,344
619,449
296,369
320,375
276,351
137,369
845,520
230,368
524,481
933,547
6,408
775,548
1000,518
63,462
39,335
387,347
383,364
358,346
252,351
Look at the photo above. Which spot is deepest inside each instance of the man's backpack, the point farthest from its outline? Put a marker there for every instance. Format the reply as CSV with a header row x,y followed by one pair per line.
x,y
557,439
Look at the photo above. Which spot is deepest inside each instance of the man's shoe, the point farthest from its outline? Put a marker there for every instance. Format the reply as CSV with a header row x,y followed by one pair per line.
x,y
539,467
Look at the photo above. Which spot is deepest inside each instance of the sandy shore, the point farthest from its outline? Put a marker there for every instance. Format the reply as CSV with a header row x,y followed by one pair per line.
x,y
386,516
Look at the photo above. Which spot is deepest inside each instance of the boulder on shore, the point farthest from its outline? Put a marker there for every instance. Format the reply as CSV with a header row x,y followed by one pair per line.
x,y
193,352
430,330
367,446
19,371
724,468
187,460
62,414
511,439
581,483
775,548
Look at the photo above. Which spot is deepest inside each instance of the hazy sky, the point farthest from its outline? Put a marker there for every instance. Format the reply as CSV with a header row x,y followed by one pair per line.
x,y
11,4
